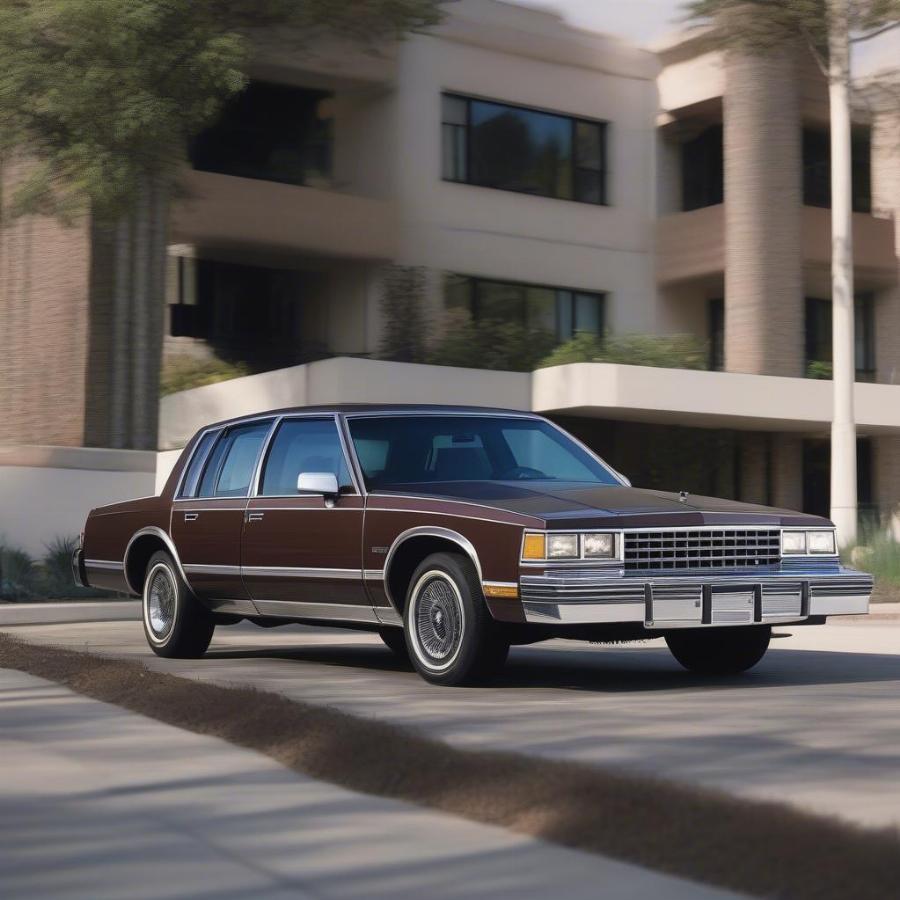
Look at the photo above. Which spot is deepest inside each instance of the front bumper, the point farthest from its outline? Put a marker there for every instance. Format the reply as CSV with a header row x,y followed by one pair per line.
x,y
692,601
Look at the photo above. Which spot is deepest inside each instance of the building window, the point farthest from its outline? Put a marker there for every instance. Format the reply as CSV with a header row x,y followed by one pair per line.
x,y
818,337
817,479
559,311
715,318
702,170
528,151
817,169
273,132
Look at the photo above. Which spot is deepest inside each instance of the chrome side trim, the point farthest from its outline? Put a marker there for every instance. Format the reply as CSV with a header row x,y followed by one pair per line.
x,y
301,572
428,531
388,616
373,574
170,546
111,564
339,612
200,569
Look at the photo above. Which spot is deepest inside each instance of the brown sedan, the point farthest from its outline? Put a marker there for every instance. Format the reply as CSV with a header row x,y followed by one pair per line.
x,y
454,532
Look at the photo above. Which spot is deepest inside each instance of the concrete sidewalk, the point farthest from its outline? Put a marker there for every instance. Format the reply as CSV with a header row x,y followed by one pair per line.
x,y
75,611
98,802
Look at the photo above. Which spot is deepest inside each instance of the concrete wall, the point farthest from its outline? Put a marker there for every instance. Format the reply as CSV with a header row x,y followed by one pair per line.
x,y
47,492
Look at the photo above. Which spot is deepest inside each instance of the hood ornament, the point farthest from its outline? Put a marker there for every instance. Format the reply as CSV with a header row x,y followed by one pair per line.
x,y
682,496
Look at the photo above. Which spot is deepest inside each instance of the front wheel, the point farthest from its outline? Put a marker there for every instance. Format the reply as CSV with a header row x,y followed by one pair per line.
x,y
451,636
720,651
176,625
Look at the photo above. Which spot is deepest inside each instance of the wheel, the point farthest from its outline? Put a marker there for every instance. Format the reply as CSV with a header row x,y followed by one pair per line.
x,y
176,625
395,640
451,637
720,651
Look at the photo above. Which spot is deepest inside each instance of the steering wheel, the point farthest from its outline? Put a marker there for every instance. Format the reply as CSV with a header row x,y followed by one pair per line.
x,y
520,473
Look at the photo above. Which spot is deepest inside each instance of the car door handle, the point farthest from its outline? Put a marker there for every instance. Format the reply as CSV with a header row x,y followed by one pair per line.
x,y
254,517
191,517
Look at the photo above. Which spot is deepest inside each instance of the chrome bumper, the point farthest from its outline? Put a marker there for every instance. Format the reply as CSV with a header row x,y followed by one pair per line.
x,y
691,601
79,575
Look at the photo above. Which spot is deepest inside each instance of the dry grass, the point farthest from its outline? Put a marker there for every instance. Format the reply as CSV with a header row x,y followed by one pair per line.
x,y
759,848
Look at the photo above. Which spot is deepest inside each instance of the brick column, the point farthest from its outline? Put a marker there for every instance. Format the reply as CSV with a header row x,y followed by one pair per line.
x,y
763,196
886,464
44,318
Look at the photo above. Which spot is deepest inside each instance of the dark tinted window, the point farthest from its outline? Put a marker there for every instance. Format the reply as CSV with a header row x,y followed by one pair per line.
x,y
303,445
817,169
232,461
191,479
398,451
559,311
819,337
716,327
274,132
702,170
524,150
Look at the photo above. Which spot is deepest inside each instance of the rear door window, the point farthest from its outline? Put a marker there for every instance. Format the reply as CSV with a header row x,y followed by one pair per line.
x,y
233,461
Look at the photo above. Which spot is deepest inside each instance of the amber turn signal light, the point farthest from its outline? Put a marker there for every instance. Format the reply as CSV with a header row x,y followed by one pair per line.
x,y
534,547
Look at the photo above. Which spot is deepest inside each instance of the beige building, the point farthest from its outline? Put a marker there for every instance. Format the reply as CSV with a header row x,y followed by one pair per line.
x,y
529,173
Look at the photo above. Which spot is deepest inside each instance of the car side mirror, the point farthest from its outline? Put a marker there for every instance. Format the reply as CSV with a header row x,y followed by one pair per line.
x,y
324,483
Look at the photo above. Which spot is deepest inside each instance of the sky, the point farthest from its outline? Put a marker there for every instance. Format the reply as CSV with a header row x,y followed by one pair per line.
x,y
642,21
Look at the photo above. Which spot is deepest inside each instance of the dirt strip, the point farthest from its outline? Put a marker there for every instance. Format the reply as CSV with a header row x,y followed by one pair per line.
x,y
758,848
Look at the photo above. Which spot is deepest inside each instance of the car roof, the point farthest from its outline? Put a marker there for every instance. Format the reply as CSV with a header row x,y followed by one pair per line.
x,y
374,409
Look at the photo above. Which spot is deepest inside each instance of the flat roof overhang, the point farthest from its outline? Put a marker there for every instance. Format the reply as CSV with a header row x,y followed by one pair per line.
x,y
707,399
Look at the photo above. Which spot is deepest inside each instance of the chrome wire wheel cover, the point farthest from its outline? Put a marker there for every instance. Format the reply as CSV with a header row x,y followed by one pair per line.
x,y
437,619
159,601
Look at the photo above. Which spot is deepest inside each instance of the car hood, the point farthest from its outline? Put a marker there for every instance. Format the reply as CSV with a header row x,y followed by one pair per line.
x,y
575,504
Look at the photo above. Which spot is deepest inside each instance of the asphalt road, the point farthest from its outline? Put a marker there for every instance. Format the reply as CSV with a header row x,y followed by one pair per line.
x,y
97,802
816,724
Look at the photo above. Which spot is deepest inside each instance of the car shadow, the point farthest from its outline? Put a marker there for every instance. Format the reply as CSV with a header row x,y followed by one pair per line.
x,y
605,669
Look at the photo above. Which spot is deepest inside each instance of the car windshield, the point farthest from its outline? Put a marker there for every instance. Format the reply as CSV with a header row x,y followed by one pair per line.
x,y
397,451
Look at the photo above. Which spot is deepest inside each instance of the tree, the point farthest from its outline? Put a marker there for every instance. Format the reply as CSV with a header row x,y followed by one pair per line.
x,y
827,28
98,100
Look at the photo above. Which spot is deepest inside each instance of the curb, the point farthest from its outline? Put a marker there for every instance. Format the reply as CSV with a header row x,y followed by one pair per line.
x,y
58,613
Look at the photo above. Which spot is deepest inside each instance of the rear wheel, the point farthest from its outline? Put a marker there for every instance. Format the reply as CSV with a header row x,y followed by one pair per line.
x,y
176,624
451,637
720,651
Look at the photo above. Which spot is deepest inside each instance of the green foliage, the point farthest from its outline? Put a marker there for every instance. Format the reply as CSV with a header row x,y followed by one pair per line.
x,y
763,24
98,94
819,369
877,553
677,351
185,372
402,302
491,344
18,575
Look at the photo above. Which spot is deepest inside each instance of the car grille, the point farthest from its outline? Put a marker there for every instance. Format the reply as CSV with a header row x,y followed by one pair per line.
x,y
702,548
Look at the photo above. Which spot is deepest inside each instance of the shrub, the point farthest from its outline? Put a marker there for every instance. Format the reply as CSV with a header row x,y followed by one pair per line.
x,y
677,351
506,346
18,575
819,369
402,302
181,373
877,553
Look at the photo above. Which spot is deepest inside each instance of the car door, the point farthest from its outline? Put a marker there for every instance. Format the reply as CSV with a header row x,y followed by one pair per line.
x,y
301,553
208,517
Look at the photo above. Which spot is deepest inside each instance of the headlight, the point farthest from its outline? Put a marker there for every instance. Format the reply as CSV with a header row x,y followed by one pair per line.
x,y
599,546
793,542
820,541
808,543
562,546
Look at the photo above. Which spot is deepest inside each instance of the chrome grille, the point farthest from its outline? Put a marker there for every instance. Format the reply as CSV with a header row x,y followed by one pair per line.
x,y
702,548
